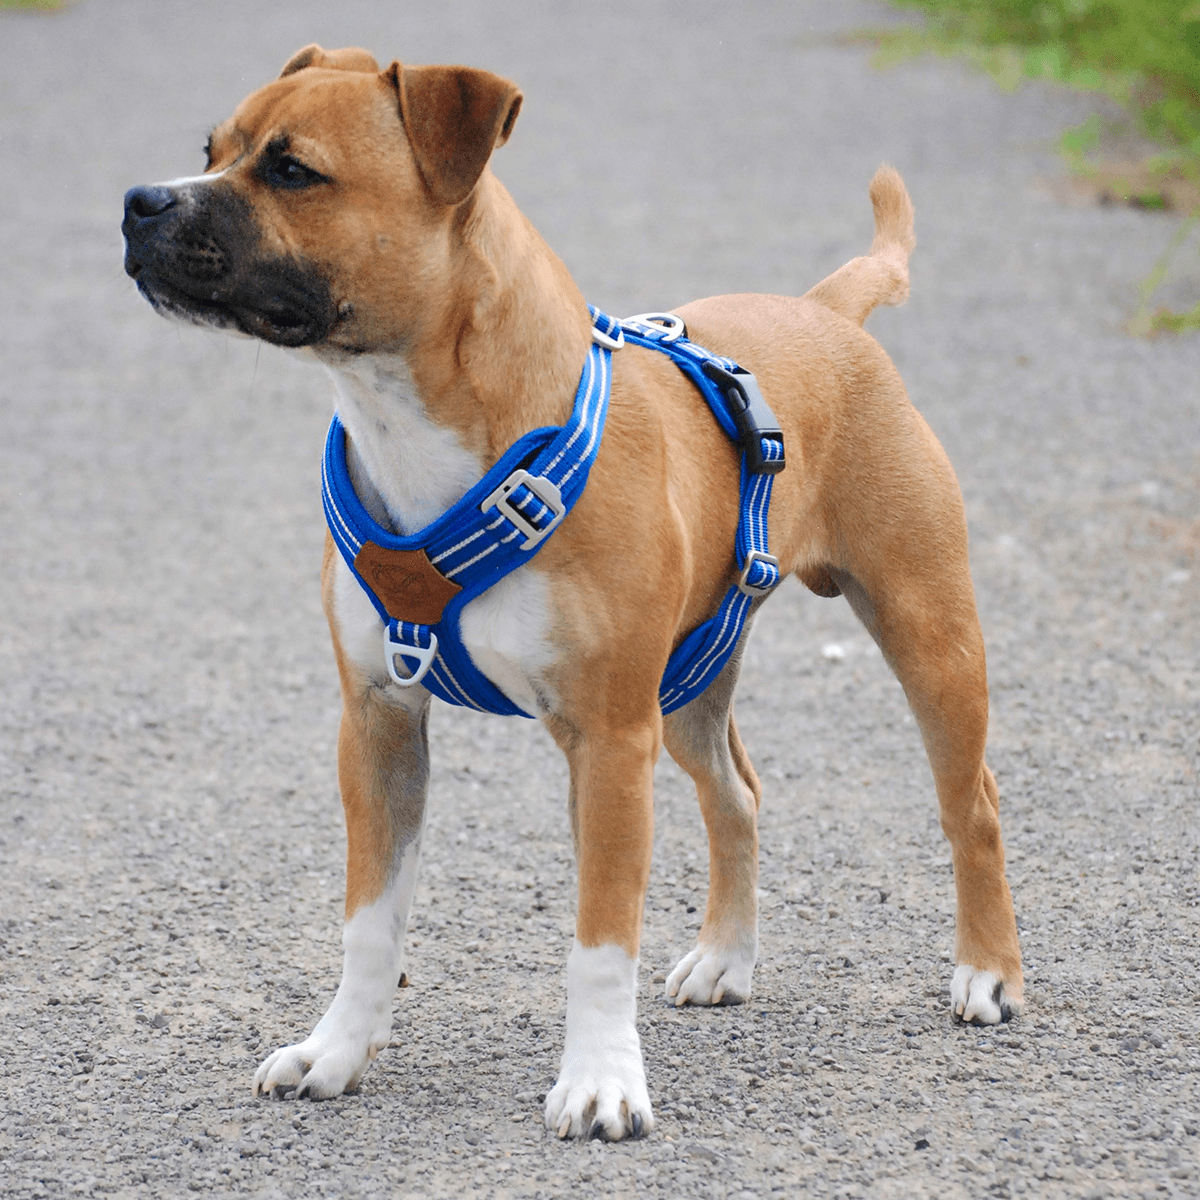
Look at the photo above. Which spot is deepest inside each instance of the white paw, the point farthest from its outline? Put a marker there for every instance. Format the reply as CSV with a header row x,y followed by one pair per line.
x,y
981,996
709,976
326,1064
335,1056
601,1088
600,1095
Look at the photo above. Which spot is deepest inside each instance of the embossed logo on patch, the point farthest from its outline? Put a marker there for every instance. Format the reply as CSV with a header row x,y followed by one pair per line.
x,y
409,585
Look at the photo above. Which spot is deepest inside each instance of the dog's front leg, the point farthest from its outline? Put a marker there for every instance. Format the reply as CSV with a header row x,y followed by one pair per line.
x,y
383,771
601,1088
382,765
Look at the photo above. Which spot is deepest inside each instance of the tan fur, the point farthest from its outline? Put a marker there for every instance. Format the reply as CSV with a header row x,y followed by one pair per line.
x,y
427,256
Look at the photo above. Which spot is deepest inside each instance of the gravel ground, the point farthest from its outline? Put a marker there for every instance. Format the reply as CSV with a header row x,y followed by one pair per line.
x,y
170,836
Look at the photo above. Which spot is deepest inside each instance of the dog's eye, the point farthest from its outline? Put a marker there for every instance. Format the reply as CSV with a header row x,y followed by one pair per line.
x,y
288,172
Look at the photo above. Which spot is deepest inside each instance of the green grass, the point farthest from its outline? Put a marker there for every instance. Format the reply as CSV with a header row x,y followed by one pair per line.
x,y
1143,54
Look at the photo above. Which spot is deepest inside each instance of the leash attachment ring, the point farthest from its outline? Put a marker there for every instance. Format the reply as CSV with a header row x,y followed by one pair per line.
x,y
544,489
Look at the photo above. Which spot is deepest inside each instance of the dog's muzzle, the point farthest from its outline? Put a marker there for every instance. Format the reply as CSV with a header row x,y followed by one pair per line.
x,y
194,254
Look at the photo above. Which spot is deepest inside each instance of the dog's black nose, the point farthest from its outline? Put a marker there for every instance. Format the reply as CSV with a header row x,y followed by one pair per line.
x,y
141,203
144,207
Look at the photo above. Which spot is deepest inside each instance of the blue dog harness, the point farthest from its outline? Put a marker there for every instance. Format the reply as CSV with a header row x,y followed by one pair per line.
x,y
420,583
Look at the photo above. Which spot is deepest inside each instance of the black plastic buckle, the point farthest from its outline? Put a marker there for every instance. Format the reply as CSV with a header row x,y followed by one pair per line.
x,y
751,415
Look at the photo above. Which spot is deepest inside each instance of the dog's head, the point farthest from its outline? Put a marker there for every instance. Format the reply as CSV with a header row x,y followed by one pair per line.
x,y
326,212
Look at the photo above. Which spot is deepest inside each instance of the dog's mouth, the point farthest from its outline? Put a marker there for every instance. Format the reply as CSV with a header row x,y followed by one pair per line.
x,y
279,320
284,329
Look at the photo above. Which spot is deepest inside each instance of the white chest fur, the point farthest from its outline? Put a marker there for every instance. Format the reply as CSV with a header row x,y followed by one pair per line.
x,y
407,470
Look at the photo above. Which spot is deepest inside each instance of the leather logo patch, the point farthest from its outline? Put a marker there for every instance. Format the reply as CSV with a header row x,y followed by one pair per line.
x,y
410,586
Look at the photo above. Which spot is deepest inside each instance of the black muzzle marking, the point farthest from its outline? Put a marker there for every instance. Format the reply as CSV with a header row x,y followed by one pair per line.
x,y
195,252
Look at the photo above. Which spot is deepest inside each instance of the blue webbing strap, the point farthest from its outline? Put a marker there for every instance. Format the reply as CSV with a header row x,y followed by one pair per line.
x,y
700,656
503,520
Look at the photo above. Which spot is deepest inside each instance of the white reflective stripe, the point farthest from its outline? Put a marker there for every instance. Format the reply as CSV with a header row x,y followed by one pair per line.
x,y
482,554
446,679
594,390
501,520
596,372
594,423
441,668
348,534
732,615
757,510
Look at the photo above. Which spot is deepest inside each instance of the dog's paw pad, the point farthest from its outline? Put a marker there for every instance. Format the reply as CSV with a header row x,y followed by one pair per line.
x,y
710,977
982,997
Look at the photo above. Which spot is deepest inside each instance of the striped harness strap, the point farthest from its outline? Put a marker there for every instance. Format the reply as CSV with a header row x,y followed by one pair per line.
x,y
419,584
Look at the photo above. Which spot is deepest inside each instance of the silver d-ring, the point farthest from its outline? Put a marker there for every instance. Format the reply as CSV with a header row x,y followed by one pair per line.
x,y
424,656
672,324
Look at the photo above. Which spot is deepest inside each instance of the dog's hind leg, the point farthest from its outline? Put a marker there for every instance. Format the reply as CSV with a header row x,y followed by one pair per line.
x,y
927,628
702,738
383,770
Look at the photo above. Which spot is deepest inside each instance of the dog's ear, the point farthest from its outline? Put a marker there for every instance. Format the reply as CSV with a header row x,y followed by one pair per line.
x,y
454,117
349,59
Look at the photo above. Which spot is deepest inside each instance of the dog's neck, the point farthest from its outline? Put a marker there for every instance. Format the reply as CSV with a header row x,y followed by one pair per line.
x,y
501,356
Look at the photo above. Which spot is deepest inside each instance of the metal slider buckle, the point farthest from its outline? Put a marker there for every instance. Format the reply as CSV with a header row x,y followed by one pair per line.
x,y
393,649
753,589
546,491
668,324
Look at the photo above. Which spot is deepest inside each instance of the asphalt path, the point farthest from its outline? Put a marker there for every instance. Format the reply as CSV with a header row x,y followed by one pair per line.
x,y
170,836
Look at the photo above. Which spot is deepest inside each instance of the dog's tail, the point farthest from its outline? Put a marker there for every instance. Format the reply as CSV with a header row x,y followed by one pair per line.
x,y
880,277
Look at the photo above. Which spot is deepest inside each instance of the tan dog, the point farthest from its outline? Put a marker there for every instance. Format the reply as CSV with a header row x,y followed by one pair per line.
x,y
351,211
